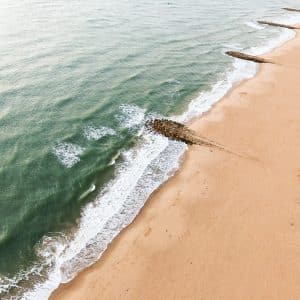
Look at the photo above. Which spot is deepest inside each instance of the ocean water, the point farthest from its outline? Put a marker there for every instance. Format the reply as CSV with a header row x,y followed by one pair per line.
x,y
78,80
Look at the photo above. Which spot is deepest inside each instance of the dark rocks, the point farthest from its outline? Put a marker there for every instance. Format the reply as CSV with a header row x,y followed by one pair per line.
x,y
179,132
277,24
291,9
172,130
244,56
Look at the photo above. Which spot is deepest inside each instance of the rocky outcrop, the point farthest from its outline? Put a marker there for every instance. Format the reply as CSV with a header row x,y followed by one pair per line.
x,y
244,56
277,24
180,132
291,9
173,130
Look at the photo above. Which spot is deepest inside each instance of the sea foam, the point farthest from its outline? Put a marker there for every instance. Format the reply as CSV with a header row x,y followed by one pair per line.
x,y
94,133
130,115
254,25
68,154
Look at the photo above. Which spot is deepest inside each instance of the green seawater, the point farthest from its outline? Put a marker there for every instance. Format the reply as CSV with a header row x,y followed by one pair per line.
x,y
77,81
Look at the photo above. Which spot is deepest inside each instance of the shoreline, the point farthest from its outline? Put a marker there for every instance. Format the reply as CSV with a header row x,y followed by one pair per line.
x,y
214,115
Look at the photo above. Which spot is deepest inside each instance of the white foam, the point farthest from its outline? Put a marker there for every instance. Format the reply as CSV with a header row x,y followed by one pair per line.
x,y
254,25
232,46
93,133
68,154
290,18
239,71
284,36
173,81
130,115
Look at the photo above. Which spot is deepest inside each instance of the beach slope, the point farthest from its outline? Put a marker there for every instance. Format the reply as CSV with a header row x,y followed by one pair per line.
x,y
225,226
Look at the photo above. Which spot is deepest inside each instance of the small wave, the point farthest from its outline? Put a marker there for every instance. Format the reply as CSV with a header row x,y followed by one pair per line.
x,y
284,36
47,251
93,133
290,19
68,154
114,158
91,189
239,71
254,25
7,284
131,115
4,112
173,81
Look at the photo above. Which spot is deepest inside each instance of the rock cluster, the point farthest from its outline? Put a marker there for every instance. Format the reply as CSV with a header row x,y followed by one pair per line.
x,y
173,130
244,56
277,24
180,132
291,9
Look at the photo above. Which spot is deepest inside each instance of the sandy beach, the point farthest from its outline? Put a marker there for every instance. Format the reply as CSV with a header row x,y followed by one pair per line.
x,y
224,227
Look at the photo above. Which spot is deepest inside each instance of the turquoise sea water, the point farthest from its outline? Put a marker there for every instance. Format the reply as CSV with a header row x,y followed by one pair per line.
x,y
78,79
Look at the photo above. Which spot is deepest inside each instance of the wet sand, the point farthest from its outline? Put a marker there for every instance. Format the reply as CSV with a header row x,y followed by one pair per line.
x,y
224,227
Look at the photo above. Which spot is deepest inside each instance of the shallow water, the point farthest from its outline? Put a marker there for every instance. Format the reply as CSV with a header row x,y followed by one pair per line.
x,y
77,82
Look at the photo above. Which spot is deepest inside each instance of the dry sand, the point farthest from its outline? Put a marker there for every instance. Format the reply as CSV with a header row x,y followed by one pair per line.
x,y
223,227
